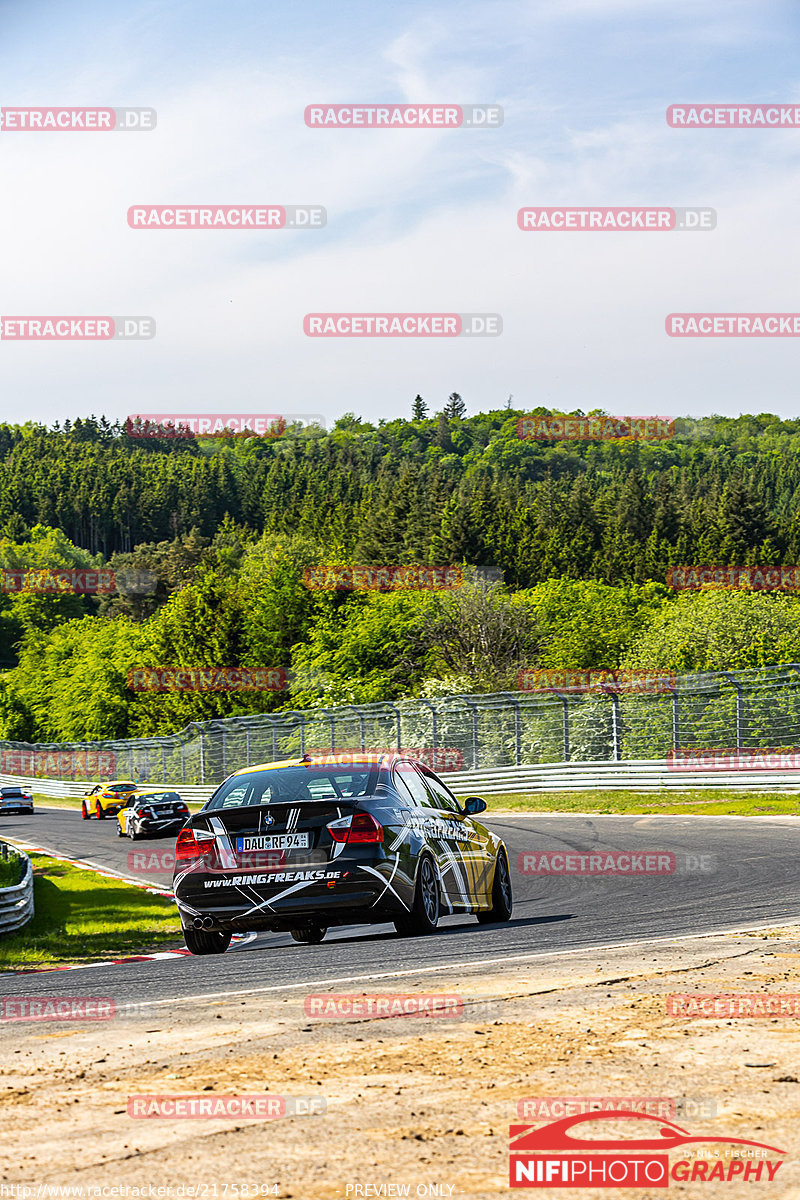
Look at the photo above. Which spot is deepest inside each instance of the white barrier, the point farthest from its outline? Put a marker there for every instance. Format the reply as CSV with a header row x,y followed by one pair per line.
x,y
16,901
639,775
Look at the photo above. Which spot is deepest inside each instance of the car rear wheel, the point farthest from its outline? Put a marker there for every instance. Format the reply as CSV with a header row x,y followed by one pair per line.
x,y
132,834
84,811
502,901
310,937
424,915
206,941
119,830
101,816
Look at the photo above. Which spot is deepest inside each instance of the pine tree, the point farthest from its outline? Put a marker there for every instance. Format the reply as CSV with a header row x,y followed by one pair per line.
x,y
419,409
455,407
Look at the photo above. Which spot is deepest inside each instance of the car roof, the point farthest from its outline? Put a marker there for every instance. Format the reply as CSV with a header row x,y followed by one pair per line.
x,y
112,782
358,758
155,791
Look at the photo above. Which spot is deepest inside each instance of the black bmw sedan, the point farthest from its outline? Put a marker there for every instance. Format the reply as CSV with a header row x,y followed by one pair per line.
x,y
312,843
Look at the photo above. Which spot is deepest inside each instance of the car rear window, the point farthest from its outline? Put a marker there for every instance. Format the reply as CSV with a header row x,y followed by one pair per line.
x,y
289,785
161,798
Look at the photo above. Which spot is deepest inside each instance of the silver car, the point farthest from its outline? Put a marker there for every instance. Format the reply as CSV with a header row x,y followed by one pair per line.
x,y
15,799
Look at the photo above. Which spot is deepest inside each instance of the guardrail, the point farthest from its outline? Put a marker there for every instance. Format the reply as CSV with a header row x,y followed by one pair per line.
x,y
638,775
16,902
569,721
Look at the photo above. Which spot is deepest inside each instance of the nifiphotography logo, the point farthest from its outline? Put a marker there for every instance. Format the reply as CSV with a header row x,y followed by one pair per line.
x,y
565,1154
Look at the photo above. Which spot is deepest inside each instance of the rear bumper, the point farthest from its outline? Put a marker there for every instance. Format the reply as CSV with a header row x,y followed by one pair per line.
x,y
361,900
163,827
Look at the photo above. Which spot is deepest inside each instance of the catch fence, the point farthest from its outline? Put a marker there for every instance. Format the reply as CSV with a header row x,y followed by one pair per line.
x,y
733,710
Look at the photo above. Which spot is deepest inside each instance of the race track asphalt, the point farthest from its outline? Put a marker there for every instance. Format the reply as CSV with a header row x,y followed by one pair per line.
x,y
742,872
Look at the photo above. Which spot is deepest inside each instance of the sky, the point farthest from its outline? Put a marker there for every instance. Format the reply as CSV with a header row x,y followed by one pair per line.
x,y
418,220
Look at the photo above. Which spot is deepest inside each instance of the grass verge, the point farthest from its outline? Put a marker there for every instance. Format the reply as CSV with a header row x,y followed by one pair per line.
x,y
706,803
85,917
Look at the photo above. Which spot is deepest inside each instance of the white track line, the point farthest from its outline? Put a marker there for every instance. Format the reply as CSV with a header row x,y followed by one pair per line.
x,y
478,962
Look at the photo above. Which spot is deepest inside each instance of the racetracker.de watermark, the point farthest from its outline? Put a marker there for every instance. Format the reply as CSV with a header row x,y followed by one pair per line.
x,y
263,1107
554,428
732,1005
443,758
755,578
333,324
70,120
397,577
585,863
208,679
403,116
391,1004
77,329
626,220
56,1008
227,216
86,764
745,758
638,682
733,116
78,581
742,325
552,1108
190,425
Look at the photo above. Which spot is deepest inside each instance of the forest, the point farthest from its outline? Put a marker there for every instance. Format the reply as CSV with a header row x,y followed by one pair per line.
x,y
563,549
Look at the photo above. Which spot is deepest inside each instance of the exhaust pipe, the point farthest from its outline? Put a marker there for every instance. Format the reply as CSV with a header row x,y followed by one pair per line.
x,y
208,922
197,923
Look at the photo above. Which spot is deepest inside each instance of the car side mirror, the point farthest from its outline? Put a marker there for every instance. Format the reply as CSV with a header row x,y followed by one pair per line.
x,y
473,805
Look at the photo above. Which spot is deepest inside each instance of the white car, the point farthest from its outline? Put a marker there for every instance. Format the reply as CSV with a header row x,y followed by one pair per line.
x,y
15,799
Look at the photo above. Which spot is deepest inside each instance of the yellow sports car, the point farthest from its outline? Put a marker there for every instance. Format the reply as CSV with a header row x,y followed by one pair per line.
x,y
151,811
105,799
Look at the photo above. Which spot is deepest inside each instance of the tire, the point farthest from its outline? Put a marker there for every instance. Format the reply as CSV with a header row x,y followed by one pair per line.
x,y
119,830
206,941
132,834
309,937
85,814
502,900
98,812
424,915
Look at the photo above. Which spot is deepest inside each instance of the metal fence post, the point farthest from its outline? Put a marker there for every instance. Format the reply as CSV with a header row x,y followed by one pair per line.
x,y
183,762
565,724
676,732
739,709
398,719
434,731
616,726
517,733
202,758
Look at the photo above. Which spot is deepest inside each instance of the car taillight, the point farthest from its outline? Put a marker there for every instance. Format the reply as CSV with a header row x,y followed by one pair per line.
x,y
361,827
193,843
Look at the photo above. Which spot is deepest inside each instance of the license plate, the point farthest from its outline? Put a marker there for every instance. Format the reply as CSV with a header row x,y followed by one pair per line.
x,y
274,841
166,812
